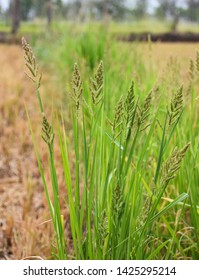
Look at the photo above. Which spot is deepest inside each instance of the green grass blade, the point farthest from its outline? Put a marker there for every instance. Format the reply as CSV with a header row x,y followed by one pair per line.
x,y
175,202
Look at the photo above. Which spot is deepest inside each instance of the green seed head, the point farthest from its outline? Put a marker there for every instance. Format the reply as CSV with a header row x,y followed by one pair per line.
x,y
77,89
144,112
171,166
47,132
102,229
117,125
96,85
117,203
176,107
129,107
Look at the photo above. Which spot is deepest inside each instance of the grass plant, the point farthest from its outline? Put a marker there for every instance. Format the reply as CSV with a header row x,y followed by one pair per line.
x,y
135,166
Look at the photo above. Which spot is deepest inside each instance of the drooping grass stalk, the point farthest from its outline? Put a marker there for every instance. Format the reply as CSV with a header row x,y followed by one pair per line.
x,y
48,137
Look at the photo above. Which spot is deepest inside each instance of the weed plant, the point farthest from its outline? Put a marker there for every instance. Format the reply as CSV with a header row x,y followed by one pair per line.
x,y
127,200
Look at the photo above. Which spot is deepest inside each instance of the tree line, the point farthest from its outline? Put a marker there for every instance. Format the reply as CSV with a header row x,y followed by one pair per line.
x,y
83,10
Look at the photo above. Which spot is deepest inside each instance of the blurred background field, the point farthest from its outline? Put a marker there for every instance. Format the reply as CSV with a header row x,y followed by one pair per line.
x,y
62,33
132,16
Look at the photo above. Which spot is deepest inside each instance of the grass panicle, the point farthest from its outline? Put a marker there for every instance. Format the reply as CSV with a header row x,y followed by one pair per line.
x,y
77,89
129,109
32,67
176,107
191,70
143,113
117,125
102,229
96,85
31,64
117,204
171,166
48,134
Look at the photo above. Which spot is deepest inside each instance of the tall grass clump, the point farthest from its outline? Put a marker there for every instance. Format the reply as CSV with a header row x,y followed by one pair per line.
x,y
126,164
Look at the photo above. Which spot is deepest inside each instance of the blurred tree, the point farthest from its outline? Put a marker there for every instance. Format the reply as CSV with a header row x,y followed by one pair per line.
x,y
26,6
0,11
114,8
44,8
16,17
39,7
169,9
162,9
193,10
59,5
77,6
140,9
175,15
72,9
49,13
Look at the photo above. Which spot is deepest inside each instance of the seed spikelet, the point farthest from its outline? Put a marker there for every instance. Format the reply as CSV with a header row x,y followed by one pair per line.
x,y
47,132
176,107
102,229
143,113
171,166
77,87
118,119
31,65
96,85
117,203
191,70
129,109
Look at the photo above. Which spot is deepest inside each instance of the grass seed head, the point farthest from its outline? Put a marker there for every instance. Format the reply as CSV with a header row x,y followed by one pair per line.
x,y
47,132
31,64
96,85
191,69
176,107
117,125
77,87
171,166
102,229
143,113
117,203
129,108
